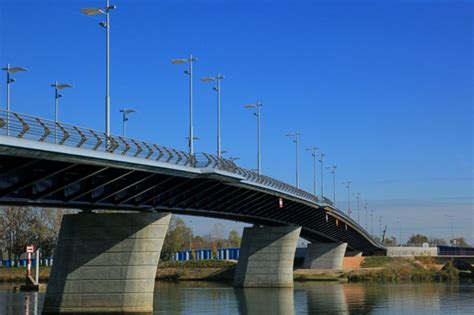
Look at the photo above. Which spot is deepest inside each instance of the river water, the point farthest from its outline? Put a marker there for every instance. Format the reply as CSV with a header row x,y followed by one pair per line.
x,y
304,298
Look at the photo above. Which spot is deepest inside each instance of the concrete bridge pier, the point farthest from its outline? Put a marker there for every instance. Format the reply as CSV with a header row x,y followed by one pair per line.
x,y
266,256
106,263
325,255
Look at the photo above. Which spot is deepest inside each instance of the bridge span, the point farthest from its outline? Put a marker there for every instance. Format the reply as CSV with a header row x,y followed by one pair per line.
x,y
49,164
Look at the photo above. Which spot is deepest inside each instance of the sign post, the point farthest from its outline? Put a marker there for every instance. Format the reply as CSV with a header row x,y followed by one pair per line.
x,y
30,249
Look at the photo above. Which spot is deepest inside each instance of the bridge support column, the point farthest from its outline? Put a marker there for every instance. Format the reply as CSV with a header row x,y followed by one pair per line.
x,y
106,263
325,255
266,257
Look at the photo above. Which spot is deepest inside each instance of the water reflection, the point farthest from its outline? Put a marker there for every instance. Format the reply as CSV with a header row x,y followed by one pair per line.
x,y
19,302
305,298
265,300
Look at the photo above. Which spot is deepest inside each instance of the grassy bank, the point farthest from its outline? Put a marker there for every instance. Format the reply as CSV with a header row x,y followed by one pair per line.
x,y
388,269
378,269
18,274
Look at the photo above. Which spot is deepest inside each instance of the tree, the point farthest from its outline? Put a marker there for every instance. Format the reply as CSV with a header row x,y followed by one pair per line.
x,y
234,238
177,238
390,241
46,228
438,241
218,235
460,241
417,239
16,226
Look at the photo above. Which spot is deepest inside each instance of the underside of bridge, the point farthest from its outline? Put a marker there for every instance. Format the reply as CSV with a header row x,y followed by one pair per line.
x,y
35,179
108,262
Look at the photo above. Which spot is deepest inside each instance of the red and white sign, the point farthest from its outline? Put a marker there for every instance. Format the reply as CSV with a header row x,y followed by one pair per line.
x,y
30,249
280,202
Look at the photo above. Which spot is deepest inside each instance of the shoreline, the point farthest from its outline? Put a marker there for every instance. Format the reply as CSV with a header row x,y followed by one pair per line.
x,y
372,269
226,274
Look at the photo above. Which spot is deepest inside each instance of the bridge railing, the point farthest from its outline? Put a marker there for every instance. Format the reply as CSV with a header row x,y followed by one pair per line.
x,y
23,126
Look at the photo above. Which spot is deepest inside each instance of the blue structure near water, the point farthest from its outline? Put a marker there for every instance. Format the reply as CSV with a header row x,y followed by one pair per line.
x,y
22,262
202,254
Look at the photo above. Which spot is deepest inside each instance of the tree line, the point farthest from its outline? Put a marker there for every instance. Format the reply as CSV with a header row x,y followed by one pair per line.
x,y
419,239
22,226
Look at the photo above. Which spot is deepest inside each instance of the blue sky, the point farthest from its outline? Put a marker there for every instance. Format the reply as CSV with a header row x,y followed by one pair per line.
x,y
384,88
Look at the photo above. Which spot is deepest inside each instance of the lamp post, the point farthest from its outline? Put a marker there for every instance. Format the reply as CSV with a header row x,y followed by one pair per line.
x,y
380,227
313,150
372,221
10,70
296,135
333,172
189,72
348,186
125,112
399,232
57,86
257,107
217,88
321,160
366,215
452,227
358,206
106,11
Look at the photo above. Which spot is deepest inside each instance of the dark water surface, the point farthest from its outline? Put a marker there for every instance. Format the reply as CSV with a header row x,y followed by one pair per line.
x,y
305,298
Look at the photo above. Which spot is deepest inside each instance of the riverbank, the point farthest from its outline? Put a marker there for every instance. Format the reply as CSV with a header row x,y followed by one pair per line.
x,y
373,269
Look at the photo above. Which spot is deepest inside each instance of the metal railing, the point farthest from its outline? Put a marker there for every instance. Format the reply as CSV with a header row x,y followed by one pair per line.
x,y
22,126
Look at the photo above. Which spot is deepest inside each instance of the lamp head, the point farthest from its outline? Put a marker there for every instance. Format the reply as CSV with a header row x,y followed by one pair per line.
x,y
179,61
92,11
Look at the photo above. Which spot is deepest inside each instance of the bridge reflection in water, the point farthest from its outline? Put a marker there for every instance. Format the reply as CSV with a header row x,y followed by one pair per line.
x,y
305,298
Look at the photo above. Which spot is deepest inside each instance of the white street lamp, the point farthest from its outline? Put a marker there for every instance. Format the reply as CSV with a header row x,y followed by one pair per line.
x,y
217,88
296,135
366,216
313,150
358,206
348,186
11,70
257,107
189,72
321,160
106,25
57,86
333,172
125,112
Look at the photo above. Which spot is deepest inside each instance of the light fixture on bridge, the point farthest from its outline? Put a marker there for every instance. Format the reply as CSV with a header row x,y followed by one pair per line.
x,y
125,112
348,186
313,150
57,86
189,72
321,160
217,88
296,135
105,11
11,70
257,107
332,169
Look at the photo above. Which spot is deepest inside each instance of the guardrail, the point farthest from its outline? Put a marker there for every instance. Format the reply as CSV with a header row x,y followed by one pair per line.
x,y
23,126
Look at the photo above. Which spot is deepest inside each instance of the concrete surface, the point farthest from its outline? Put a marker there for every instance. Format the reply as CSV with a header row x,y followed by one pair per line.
x,y
266,257
106,263
325,255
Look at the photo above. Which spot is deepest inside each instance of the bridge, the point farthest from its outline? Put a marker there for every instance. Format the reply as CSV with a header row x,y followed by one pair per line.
x,y
44,163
